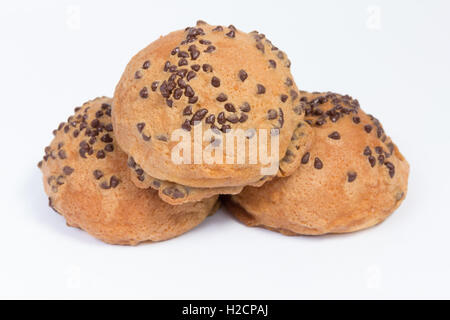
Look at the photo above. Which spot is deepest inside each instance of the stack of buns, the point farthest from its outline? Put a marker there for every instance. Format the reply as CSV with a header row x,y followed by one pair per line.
x,y
116,170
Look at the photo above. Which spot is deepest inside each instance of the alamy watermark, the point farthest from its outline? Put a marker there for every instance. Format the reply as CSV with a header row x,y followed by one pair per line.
x,y
235,146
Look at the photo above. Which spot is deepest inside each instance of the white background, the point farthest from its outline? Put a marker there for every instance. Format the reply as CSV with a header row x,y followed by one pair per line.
x,y
391,55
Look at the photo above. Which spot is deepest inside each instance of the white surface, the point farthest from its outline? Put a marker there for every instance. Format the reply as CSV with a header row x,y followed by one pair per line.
x,y
397,65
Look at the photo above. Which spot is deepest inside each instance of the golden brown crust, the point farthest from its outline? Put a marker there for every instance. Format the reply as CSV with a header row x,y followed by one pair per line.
x,y
87,180
216,60
173,193
352,178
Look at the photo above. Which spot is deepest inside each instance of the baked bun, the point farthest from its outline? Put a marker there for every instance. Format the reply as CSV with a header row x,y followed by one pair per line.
x,y
87,180
218,77
352,178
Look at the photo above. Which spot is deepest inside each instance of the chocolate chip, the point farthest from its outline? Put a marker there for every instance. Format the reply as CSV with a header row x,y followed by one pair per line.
x,y
260,89
109,148
210,119
231,34
98,174
243,118
183,54
191,75
144,93
146,65
182,62
243,75
196,67
221,118
189,92
272,64
218,29
169,103
107,138
215,82
367,151
294,94
281,117
222,97
335,135
114,182
335,117
154,85
368,128
351,176
379,150
225,128
131,163
178,93
283,98
99,114
207,68
146,138
62,154
391,168
186,125
272,114
245,107
68,170
318,163
356,120
305,158
101,154
182,73
140,127
175,51
233,118
372,161
230,107
187,111
182,84
381,159
210,49
260,47
193,100
173,193
198,116
138,75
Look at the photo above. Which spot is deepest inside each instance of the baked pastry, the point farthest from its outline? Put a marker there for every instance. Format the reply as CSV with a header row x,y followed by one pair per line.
x,y
87,180
352,178
174,193
216,78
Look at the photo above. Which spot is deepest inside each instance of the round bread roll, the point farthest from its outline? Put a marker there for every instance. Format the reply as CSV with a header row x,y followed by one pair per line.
x,y
352,178
213,78
87,181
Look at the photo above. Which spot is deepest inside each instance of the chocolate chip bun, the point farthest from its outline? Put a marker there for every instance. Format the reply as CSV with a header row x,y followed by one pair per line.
x,y
87,180
215,76
352,178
